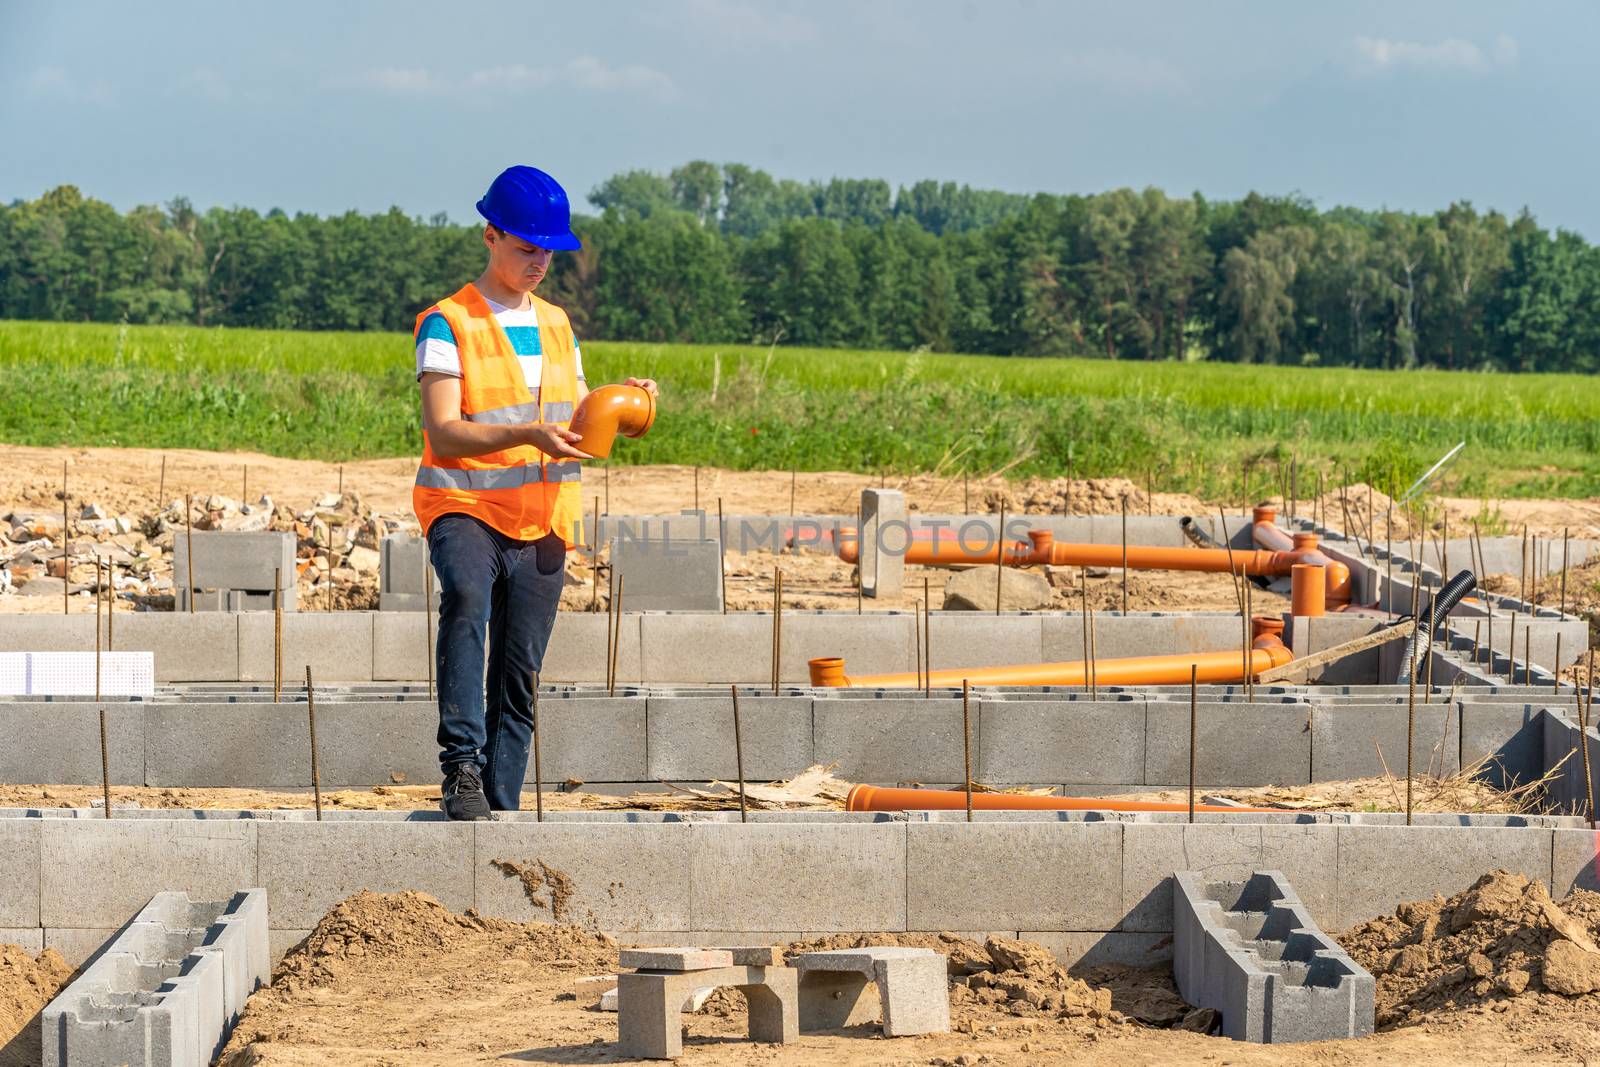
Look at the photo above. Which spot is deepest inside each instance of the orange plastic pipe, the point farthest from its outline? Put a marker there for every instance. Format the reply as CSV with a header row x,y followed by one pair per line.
x,y
1268,651
609,410
1308,590
884,798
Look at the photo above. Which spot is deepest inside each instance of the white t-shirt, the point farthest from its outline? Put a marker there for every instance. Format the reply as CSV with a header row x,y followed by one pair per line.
x,y
437,352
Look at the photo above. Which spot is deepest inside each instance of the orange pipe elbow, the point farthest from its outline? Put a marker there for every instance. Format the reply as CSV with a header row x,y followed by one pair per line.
x,y
608,411
882,798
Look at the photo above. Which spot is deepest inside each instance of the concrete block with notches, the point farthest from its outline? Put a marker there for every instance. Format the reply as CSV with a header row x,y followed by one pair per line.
x,y
187,648
1029,742
133,859
881,542
337,646
308,867
691,737
669,574
1369,740
402,580
798,876
900,738
619,876
1237,744
1034,875
240,567
268,746
1249,950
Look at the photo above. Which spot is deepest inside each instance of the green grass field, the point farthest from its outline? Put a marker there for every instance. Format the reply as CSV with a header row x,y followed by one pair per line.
x,y
352,395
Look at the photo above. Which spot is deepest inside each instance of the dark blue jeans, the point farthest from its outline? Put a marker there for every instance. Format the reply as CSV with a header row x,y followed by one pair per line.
x,y
509,589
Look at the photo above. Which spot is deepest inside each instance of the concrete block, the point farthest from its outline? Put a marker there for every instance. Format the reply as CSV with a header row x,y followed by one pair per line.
x,y
623,876
755,955
28,938
308,867
650,1006
1091,948
1381,866
337,646
1507,735
600,739
1308,855
282,942
1329,630
915,995
402,581
59,742
674,959
577,649
1137,634
1026,742
20,859
881,542
1237,744
966,639
907,989
1153,853
51,633
1575,862
1036,876
201,647
400,644
881,643
77,945
701,649
97,872
801,876
1347,738
231,561
268,745
894,739
669,574
692,737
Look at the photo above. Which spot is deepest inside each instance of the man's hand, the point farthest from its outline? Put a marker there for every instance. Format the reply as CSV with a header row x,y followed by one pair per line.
x,y
552,440
647,384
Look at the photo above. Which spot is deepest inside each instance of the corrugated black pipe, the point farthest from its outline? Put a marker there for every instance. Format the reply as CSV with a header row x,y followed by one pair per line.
x,y
1440,603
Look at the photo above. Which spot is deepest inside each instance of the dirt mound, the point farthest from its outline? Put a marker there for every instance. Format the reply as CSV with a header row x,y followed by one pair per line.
x,y
372,927
1502,940
26,986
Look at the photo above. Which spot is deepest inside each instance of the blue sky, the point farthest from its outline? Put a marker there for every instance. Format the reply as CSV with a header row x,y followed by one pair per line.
x,y
329,106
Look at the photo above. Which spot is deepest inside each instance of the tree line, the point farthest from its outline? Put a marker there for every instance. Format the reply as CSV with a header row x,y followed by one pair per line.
x,y
710,253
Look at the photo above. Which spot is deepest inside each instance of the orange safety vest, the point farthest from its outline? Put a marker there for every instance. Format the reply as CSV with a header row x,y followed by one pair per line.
x,y
519,491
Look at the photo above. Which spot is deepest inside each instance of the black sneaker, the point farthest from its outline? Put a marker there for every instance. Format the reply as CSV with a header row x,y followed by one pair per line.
x,y
462,798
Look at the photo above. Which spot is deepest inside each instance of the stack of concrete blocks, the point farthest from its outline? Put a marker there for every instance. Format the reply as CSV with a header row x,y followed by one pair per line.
x,y
1251,951
881,543
402,584
907,989
167,991
668,573
234,571
650,1000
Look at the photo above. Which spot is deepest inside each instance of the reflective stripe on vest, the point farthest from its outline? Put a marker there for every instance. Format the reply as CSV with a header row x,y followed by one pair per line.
x,y
501,478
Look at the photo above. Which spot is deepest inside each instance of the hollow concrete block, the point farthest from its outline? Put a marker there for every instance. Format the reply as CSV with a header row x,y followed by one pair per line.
x,y
1347,739
1038,876
59,742
1237,744
308,867
20,858
200,647
802,876
231,561
1027,742
691,737
959,639
269,745
599,739
1381,866
337,645
899,738
402,580
623,876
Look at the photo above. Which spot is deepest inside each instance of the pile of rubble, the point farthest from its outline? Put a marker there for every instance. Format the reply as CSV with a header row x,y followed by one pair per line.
x,y
336,537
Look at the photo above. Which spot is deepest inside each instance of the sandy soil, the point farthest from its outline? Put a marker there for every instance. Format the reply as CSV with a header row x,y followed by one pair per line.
x,y
400,980
27,984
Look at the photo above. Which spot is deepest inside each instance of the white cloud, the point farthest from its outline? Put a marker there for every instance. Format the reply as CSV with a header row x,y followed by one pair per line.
x,y
1123,71
1374,54
584,72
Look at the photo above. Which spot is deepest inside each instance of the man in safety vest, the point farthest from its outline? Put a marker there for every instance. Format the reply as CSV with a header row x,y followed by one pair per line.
x,y
497,491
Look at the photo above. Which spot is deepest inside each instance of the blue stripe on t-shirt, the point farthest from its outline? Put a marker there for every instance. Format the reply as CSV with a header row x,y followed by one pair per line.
x,y
524,340
435,328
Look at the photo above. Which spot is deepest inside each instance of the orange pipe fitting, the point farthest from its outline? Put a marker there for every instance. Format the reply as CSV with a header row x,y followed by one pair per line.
x,y
1267,651
884,798
608,410
1308,589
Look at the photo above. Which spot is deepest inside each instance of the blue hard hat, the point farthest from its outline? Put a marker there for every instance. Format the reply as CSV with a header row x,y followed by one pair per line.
x,y
528,203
